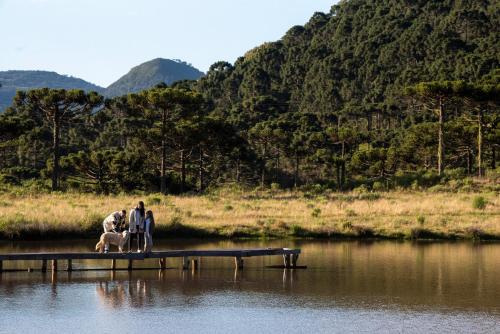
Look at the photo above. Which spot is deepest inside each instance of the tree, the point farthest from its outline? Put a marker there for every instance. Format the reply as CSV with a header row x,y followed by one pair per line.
x,y
482,98
164,107
59,106
436,96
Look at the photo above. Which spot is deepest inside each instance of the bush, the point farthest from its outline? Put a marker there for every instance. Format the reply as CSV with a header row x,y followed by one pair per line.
x,y
421,220
316,213
153,200
228,207
479,203
297,231
378,186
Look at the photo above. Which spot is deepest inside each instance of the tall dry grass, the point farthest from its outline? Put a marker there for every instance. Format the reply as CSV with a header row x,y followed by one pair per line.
x,y
261,214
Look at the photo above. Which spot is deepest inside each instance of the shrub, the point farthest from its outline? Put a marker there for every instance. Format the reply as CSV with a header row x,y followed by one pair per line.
x,y
297,231
316,213
347,225
228,207
363,231
369,196
153,200
350,213
421,220
479,203
378,186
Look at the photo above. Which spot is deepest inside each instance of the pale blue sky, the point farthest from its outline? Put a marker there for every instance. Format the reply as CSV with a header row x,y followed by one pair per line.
x,y
100,40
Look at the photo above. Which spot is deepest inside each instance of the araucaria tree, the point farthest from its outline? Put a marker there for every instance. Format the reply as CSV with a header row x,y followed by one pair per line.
x,y
59,107
165,107
436,96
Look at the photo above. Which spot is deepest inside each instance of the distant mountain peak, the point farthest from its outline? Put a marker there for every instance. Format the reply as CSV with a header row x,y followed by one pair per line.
x,y
151,73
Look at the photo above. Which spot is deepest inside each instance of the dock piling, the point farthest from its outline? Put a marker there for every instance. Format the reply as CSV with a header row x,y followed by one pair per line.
x,y
286,260
238,262
295,258
54,265
185,263
113,264
44,266
69,266
130,265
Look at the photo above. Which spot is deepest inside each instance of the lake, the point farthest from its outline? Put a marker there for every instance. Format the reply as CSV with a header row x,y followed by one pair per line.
x,y
349,286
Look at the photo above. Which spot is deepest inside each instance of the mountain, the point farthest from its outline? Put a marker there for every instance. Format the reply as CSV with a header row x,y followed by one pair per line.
x,y
12,81
152,73
140,77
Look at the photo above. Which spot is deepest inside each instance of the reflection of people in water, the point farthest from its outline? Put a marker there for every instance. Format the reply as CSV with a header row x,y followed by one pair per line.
x,y
115,294
111,294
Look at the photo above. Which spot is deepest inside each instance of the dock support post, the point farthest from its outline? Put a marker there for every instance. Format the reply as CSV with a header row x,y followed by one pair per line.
x,y
185,263
238,262
44,266
163,263
194,264
295,258
1,266
54,265
130,265
70,265
286,260
113,264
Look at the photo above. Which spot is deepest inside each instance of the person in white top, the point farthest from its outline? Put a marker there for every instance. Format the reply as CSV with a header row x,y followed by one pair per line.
x,y
114,221
136,226
149,227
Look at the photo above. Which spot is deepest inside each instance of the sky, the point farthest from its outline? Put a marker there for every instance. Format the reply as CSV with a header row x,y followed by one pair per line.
x,y
101,40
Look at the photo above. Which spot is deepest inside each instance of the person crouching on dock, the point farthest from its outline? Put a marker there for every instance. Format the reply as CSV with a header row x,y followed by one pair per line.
x,y
136,226
113,222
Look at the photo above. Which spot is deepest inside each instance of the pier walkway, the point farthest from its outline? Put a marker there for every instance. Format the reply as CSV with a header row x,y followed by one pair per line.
x,y
190,258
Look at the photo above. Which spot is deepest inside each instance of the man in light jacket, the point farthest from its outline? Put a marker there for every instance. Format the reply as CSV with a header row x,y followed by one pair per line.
x,y
114,221
136,225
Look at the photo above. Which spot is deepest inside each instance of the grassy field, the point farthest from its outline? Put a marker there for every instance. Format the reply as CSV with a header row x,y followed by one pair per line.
x,y
265,214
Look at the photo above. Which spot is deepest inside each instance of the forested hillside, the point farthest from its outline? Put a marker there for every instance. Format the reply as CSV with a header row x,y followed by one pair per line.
x,y
151,73
376,93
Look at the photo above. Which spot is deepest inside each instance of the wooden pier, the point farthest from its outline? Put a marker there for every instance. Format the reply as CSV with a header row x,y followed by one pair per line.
x,y
190,258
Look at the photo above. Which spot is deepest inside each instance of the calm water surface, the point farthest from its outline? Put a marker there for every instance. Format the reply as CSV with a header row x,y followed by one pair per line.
x,y
359,287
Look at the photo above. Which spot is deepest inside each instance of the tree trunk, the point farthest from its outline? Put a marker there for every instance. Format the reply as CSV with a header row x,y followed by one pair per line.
x,y
55,149
238,170
342,175
200,170
469,167
296,170
339,178
480,143
441,138
163,180
493,157
183,171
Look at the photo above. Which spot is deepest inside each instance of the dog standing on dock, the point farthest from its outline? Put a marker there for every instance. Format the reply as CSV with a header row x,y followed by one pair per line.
x,y
112,238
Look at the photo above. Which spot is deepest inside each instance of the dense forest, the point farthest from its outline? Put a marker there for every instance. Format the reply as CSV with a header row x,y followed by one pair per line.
x,y
375,93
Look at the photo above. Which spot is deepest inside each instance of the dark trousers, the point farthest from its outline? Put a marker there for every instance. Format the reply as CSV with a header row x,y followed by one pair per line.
x,y
139,237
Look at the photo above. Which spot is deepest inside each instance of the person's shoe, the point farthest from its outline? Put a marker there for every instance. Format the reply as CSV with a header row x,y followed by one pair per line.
x,y
139,251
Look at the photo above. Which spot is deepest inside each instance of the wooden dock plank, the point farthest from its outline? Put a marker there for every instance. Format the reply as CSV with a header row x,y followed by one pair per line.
x,y
152,255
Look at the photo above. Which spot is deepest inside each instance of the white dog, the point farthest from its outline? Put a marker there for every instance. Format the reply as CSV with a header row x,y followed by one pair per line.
x,y
117,239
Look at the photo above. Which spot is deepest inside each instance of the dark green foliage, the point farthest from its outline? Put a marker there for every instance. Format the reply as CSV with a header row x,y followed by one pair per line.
x,y
372,95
